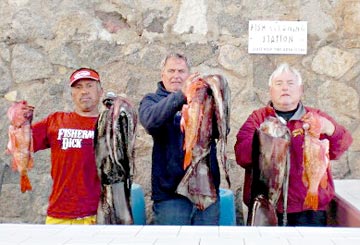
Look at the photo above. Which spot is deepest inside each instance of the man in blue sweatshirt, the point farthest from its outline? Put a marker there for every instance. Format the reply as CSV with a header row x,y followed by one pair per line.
x,y
160,115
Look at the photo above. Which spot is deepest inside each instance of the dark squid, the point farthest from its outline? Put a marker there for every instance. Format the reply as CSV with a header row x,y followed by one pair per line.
x,y
114,149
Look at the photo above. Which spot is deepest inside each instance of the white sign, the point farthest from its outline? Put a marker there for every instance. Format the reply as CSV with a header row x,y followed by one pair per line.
x,y
277,37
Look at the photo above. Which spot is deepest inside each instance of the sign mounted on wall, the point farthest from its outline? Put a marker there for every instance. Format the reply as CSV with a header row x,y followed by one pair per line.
x,y
277,37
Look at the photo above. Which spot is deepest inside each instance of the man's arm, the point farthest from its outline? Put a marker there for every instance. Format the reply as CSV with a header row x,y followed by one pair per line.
x,y
153,114
244,139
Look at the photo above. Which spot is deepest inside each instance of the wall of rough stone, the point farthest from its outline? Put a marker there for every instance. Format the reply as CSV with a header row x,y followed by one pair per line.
x,y
43,41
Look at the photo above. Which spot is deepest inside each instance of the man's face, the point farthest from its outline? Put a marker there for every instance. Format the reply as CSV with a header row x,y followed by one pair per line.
x,y
285,92
174,73
86,94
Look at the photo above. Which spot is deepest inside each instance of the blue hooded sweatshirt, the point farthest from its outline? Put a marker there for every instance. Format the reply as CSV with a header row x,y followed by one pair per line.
x,y
160,115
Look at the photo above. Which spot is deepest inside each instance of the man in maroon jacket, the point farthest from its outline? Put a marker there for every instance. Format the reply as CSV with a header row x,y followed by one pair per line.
x,y
286,89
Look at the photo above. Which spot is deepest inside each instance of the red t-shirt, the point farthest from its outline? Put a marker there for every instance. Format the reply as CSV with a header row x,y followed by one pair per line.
x,y
76,185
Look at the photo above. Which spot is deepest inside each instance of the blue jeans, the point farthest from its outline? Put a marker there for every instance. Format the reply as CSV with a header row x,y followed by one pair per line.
x,y
181,211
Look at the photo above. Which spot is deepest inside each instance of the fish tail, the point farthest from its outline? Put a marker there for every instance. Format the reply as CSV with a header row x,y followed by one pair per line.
x,y
311,201
25,184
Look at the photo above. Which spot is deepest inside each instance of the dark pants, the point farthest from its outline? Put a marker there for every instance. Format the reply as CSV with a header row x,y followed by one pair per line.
x,y
181,211
306,218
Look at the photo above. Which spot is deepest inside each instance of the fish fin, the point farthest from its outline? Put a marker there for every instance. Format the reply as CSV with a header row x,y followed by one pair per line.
x,y
31,159
184,117
13,164
30,163
324,181
7,151
182,124
311,201
305,179
187,159
10,151
25,184
227,177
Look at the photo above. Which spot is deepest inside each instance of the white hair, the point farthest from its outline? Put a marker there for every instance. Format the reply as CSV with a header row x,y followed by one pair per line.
x,y
282,68
178,56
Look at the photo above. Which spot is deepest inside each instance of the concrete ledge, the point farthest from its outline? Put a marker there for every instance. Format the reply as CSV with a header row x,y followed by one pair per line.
x,y
16,234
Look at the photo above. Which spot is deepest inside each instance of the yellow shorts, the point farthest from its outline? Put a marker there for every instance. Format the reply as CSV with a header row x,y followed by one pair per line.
x,y
88,220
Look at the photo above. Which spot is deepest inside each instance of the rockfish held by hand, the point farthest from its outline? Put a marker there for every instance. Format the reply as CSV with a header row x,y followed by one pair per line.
x,y
19,146
316,164
208,106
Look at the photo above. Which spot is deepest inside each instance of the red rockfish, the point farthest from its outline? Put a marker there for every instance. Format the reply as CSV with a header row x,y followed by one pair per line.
x,y
208,106
20,141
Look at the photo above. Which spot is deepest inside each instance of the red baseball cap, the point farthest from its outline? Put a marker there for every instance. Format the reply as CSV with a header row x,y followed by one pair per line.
x,y
84,73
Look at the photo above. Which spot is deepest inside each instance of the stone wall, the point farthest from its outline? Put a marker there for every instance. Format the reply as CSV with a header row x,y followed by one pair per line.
x,y
43,41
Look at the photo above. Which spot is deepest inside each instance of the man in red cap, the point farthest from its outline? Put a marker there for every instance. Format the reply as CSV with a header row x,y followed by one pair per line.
x,y
70,136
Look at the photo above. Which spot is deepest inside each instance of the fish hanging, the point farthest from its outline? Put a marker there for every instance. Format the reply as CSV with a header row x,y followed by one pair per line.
x,y
206,97
20,146
115,159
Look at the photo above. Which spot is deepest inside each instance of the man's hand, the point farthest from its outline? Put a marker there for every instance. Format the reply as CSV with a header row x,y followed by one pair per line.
x,y
318,124
188,81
